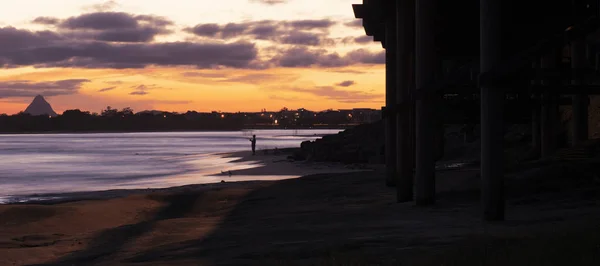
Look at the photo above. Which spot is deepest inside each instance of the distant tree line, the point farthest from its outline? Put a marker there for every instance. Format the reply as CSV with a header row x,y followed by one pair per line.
x,y
113,120
126,120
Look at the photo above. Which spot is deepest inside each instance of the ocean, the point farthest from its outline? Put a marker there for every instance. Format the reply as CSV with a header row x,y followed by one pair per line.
x,y
40,164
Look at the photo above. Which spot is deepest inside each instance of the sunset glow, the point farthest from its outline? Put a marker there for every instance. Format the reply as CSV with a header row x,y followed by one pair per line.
x,y
179,55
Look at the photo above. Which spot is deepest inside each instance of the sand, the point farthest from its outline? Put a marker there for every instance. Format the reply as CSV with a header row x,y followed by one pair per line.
x,y
334,218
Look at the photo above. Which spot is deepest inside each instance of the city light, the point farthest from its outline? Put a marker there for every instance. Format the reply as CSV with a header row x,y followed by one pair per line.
x,y
222,116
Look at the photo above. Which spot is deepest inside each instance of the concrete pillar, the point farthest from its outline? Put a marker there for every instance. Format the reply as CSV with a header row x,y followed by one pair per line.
x,y
405,23
580,101
536,140
390,100
549,112
492,101
425,117
412,111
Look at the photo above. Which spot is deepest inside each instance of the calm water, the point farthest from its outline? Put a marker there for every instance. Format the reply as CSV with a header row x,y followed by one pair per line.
x,y
56,163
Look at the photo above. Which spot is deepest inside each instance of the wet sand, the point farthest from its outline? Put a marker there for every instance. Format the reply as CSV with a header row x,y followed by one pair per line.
x,y
320,219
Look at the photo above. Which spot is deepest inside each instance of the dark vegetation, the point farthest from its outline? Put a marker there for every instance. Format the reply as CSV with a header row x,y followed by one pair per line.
x,y
125,120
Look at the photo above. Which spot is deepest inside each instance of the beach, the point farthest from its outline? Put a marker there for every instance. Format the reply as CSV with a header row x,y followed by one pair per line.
x,y
333,215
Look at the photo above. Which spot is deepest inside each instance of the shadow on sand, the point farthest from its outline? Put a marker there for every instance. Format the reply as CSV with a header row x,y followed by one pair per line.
x,y
314,219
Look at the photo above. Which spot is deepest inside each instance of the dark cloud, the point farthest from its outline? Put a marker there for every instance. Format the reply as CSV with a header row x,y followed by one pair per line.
x,y
301,38
363,39
26,88
156,21
344,96
366,57
303,57
47,49
120,40
346,83
14,39
231,30
142,34
207,30
269,2
286,32
111,26
46,20
264,32
107,89
310,24
101,21
355,23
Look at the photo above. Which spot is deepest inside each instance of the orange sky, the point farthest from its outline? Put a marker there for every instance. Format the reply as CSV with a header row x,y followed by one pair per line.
x,y
301,56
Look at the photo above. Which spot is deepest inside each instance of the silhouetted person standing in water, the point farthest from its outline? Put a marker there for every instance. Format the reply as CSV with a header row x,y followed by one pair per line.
x,y
253,140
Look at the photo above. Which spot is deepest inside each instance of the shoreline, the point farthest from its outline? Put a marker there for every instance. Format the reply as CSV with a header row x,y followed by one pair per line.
x,y
319,219
267,168
165,131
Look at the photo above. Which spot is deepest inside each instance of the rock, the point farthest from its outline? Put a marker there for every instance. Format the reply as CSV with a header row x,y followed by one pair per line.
x,y
39,106
361,144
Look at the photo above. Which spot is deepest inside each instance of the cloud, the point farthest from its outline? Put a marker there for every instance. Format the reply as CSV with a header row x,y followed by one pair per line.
x,y
107,89
142,89
27,88
100,21
310,24
355,23
346,71
363,39
297,32
49,49
346,83
121,40
203,75
344,96
366,57
110,26
302,38
207,30
260,78
269,2
106,6
46,21
303,57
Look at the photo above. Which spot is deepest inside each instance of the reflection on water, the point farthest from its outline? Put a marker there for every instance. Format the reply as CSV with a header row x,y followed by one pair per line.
x,y
57,163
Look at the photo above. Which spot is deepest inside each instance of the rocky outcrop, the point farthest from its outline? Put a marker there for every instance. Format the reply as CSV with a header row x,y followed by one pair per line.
x,y
365,144
361,144
39,106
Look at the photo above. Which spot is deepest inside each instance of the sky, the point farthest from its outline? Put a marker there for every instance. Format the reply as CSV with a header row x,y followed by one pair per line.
x,y
180,55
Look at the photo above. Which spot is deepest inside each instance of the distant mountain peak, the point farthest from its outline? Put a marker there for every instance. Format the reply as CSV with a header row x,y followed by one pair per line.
x,y
39,106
